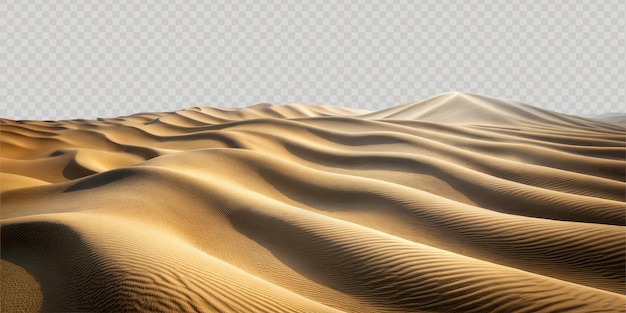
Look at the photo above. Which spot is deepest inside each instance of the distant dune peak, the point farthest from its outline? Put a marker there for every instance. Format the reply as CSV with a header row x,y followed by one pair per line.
x,y
451,107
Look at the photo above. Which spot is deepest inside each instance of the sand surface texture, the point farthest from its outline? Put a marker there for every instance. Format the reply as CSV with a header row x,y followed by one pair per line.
x,y
458,203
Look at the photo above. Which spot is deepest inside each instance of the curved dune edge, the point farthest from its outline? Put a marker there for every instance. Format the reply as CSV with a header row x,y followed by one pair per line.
x,y
457,203
123,273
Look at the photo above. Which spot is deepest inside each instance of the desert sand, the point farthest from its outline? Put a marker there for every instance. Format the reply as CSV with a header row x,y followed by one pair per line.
x,y
457,203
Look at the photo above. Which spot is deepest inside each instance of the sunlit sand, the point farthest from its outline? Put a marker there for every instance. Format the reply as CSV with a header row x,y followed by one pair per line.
x,y
458,203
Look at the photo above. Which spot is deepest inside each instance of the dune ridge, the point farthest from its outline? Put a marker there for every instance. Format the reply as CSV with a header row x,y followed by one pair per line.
x,y
457,203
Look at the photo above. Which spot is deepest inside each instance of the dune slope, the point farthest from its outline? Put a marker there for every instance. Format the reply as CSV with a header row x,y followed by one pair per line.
x,y
458,203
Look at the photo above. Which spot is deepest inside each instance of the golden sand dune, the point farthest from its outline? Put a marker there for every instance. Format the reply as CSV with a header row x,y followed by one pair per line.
x,y
458,203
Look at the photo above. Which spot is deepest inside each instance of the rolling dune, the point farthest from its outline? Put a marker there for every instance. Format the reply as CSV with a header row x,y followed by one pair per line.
x,y
457,203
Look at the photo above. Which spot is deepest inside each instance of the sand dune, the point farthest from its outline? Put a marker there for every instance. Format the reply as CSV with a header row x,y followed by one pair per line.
x,y
458,203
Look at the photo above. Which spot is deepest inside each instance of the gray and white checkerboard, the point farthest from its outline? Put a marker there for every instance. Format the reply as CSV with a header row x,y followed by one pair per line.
x,y
102,58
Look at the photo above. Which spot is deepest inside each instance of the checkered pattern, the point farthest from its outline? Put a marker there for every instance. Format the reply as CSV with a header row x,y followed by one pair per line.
x,y
102,58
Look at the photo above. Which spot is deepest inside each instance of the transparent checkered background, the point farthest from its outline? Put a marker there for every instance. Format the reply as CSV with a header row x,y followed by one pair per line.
x,y
102,58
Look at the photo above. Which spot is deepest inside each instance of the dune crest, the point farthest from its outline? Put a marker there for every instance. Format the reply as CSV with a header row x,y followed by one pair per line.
x,y
457,203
